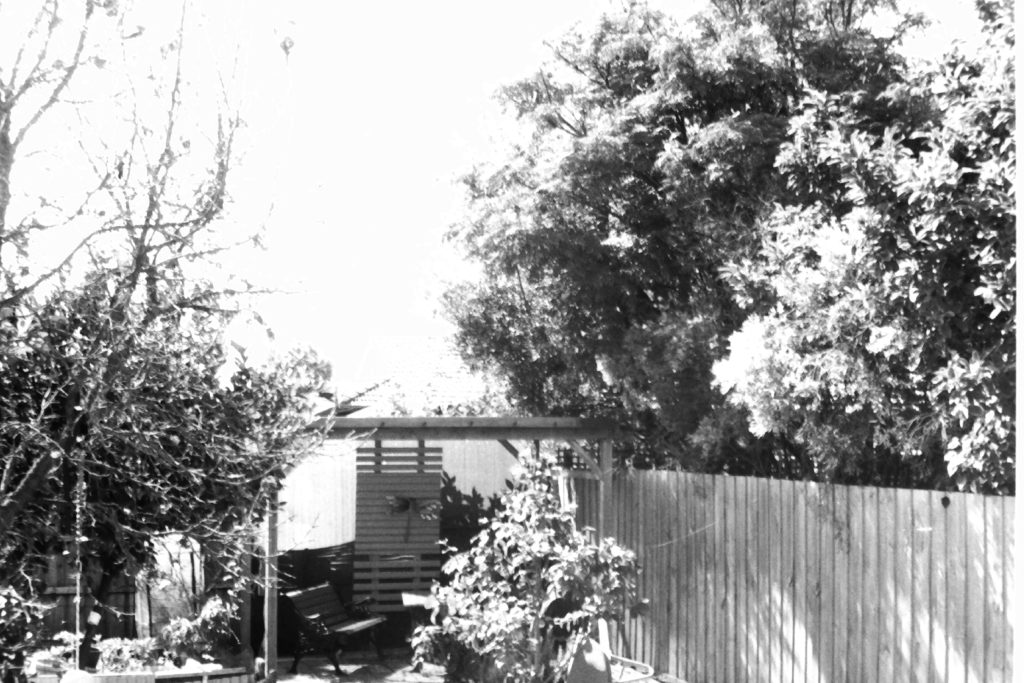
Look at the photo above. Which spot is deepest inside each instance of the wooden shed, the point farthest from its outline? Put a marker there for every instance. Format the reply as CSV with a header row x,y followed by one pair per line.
x,y
398,472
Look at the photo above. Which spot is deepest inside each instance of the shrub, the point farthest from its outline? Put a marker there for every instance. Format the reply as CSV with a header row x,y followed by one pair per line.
x,y
20,624
530,582
126,654
201,637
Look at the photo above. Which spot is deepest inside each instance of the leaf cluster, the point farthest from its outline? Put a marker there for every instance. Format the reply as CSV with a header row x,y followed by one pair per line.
x,y
529,584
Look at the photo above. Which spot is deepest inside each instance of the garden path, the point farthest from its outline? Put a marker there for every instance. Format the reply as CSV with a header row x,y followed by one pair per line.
x,y
360,667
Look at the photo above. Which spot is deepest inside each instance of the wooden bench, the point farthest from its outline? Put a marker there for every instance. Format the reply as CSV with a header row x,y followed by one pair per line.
x,y
327,624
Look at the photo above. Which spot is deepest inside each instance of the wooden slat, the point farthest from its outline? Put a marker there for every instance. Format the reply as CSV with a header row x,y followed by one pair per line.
x,y
787,582
773,562
977,588
840,551
903,580
398,468
394,450
762,590
701,608
750,582
1007,547
855,572
722,577
376,481
694,589
363,584
996,607
919,559
397,462
370,482
804,586
723,502
673,539
385,564
956,586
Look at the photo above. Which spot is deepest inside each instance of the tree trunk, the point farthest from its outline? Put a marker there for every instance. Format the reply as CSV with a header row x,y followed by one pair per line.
x,y
110,572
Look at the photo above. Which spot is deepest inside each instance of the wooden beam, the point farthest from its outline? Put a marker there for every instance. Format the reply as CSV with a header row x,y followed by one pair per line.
x,y
270,601
474,428
390,450
507,445
585,457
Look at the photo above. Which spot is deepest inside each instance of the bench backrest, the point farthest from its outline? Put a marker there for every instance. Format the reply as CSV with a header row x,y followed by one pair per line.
x,y
319,604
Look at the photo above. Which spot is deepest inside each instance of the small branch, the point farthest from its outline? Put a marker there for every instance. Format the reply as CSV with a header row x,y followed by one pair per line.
x,y
20,292
26,491
69,71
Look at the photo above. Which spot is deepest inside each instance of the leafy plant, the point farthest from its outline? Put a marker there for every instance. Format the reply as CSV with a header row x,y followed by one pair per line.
x,y
202,636
127,654
529,583
20,621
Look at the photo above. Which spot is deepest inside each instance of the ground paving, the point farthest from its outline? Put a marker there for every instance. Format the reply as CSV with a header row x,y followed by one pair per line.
x,y
361,667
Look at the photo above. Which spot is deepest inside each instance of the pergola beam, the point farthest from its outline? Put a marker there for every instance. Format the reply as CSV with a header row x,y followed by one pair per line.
x,y
476,428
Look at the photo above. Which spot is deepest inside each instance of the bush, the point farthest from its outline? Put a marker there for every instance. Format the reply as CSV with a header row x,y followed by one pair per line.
x,y
21,620
529,584
202,637
125,654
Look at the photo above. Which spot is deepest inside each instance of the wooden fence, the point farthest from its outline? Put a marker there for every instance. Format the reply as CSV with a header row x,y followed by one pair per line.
x,y
766,580
117,615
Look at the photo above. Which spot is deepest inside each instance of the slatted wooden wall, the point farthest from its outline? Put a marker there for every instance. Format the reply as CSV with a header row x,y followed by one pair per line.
x,y
766,580
396,546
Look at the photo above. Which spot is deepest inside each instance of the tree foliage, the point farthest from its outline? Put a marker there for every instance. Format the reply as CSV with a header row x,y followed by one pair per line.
x,y
125,412
888,348
645,217
530,584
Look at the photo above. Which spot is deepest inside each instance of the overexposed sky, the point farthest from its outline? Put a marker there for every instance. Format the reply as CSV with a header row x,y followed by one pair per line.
x,y
379,108
354,139
382,107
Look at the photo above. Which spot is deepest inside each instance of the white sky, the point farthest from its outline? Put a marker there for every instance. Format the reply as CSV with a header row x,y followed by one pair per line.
x,y
356,138
389,103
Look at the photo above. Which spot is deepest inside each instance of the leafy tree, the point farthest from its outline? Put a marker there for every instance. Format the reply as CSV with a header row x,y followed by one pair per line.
x,y
124,412
649,161
888,348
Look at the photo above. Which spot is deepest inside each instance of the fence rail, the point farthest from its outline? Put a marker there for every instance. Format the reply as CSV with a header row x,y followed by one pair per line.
x,y
766,580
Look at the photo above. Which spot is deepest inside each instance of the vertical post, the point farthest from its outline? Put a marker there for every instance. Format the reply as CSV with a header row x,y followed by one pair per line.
x,y
1018,509
245,609
270,603
604,495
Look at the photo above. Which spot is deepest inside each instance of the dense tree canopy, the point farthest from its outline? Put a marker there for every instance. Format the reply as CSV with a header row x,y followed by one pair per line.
x,y
890,330
667,198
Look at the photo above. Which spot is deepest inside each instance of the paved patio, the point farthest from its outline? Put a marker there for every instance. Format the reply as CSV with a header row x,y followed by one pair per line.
x,y
361,667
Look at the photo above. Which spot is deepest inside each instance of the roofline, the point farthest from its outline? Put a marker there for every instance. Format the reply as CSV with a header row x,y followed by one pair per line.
x,y
475,428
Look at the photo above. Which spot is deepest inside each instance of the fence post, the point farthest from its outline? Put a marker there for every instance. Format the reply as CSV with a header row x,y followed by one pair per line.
x,y
604,487
270,604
